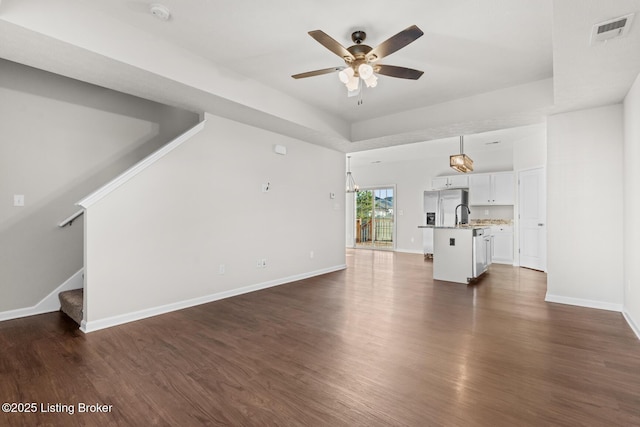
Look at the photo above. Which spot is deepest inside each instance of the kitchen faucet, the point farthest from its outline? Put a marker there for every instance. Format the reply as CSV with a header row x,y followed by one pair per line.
x,y
455,211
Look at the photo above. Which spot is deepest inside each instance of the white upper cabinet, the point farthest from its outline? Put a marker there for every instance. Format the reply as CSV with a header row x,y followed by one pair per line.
x,y
492,188
504,188
480,189
453,181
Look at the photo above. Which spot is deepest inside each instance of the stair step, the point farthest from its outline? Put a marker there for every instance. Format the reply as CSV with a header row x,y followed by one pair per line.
x,y
71,303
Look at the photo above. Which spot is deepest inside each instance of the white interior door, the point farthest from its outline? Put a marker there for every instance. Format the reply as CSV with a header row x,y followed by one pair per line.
x,y
533,218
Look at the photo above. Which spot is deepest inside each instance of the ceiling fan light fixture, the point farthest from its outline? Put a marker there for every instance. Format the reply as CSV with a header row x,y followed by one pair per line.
x,y
346,75
353,84
371,81
358,59
365,71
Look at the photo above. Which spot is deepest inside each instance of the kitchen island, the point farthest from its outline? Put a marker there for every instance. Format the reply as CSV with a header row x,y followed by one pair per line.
x,y
460,254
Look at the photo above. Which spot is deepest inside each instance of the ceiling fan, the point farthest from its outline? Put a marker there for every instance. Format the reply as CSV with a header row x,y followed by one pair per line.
x,y
361,60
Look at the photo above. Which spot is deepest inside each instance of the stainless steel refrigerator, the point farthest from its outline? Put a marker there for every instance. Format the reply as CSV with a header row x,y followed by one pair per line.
x,y
440,211
440,207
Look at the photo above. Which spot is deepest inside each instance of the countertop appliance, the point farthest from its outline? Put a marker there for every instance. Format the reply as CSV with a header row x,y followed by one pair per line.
x,y
440,211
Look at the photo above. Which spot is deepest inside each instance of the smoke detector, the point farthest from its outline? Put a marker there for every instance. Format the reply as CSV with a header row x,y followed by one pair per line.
x,y
610,29
160,11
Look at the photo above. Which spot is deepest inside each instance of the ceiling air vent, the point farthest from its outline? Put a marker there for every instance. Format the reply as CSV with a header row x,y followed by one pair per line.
x,y
610,29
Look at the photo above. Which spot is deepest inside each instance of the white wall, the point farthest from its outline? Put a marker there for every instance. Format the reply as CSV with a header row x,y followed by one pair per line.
x,y
585,207
531,150
59,140
157,242
632,206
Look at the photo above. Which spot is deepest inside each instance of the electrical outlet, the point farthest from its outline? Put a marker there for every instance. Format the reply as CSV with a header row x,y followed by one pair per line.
x,y
259,263
221,269
264,262
311,254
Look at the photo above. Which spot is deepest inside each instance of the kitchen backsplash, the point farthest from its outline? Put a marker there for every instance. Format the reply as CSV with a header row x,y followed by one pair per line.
x,y
491,213
491,222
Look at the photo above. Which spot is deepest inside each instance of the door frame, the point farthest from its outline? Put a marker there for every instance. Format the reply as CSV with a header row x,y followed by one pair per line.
x,y
395,215
519,222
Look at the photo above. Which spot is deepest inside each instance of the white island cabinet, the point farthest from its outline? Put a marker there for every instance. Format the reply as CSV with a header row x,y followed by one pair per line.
x,y
460,254
492,189
453,254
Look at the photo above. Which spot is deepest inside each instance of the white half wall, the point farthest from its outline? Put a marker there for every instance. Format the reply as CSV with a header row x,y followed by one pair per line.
x,y
192,226
632,206
585,207
59,140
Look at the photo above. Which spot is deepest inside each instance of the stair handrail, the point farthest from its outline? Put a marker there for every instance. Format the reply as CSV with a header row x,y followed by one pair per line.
x,y
70,219
139,167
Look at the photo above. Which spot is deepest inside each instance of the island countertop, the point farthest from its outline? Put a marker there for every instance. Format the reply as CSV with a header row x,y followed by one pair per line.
x,y
449,227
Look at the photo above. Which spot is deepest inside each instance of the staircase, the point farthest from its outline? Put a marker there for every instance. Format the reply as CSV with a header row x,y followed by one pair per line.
x,y
71,303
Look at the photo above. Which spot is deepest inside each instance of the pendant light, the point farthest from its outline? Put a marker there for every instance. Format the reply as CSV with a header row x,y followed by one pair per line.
x,y
352,187
461,162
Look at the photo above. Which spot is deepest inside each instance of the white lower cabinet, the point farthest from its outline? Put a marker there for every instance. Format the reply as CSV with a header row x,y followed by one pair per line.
x,y
502,244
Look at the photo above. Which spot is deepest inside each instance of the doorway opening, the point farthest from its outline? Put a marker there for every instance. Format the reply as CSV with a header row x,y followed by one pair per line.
x,y
375,218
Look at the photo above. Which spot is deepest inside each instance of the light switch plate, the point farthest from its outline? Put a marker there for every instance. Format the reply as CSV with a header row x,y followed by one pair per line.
x,y
18,200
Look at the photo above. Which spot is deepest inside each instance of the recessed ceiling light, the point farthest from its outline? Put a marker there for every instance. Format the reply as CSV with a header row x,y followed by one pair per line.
x,y
160,11
493,142
377,161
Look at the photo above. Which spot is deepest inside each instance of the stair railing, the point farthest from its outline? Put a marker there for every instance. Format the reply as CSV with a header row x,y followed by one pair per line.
x,y
69,220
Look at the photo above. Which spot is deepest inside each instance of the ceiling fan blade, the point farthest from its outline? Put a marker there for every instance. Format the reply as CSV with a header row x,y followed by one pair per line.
x,y
317,72
399,72
335,47
395,43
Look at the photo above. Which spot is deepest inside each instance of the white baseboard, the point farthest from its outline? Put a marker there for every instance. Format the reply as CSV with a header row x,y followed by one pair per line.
x,y
633,325
49,303
108,322
409,251
584,303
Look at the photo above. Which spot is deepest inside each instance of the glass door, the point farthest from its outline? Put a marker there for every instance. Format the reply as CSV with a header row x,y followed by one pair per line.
x,y
375,223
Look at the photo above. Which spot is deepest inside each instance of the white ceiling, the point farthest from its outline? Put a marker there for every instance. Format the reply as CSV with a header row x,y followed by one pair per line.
x,y
463,52
488,65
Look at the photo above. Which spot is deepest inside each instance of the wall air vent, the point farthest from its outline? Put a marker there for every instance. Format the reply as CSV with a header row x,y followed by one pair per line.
x,y
610,29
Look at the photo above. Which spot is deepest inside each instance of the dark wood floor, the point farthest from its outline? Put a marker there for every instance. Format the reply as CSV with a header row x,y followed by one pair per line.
x,y
379,344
